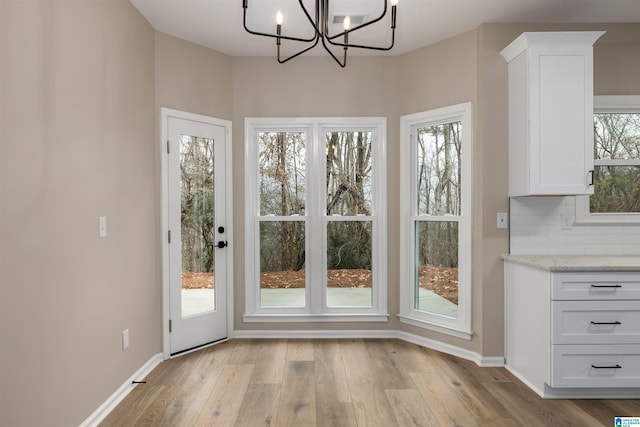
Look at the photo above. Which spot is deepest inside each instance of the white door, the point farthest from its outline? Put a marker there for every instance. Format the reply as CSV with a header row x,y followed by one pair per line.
x,y
197,232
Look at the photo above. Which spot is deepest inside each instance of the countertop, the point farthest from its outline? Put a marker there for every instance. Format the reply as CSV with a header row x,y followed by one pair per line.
x,y
578,262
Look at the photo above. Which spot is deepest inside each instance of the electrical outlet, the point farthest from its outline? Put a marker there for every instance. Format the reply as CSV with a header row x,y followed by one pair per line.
x,y
502,220
125,339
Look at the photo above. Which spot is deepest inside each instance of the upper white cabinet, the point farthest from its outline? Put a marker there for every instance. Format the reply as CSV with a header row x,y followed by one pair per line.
x,y
551,113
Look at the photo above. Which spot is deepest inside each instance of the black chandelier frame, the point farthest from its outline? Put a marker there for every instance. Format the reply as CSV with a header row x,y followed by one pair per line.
x,y
320,24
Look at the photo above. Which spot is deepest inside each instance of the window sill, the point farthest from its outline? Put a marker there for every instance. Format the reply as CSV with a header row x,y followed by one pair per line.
x,y
312,318
443,329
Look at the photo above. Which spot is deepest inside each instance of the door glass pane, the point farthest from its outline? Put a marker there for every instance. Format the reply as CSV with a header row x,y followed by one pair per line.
x,y
439,172
436,268
282,264
197,215
348,172
349,264
281,158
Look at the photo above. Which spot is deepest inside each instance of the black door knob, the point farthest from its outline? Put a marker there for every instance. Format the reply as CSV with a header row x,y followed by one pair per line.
x,y
221,244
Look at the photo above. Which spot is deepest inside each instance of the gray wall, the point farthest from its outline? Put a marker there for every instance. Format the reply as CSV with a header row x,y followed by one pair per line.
x,y
76,143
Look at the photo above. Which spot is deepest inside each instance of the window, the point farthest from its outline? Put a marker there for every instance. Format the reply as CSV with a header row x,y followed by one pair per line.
x,y
436,220
616,175
316,227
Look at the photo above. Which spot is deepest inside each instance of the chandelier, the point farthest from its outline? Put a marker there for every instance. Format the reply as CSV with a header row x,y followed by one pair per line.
x,y
320,24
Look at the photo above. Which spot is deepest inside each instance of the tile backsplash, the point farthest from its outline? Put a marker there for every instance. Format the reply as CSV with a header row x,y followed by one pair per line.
x,y
536,228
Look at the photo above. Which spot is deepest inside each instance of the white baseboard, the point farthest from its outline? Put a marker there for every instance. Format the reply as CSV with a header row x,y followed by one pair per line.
x,y
117,397
321,334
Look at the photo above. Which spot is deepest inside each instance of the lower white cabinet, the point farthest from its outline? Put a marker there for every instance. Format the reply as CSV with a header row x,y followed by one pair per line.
x,y
573,334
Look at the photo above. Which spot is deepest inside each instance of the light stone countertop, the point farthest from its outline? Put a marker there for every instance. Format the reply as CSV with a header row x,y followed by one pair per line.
x,y
578,262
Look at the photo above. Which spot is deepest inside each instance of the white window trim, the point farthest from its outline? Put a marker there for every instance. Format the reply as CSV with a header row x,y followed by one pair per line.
x,y
608,104
461,326
316,309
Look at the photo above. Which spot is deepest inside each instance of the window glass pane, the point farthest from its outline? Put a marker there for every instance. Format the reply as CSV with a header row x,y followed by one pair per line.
x,y
281,160
439,173
282,263
349,263
348,173
617,136
197,223
617,189
436,268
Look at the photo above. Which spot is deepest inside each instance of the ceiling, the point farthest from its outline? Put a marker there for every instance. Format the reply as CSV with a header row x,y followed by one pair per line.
x,y
218,24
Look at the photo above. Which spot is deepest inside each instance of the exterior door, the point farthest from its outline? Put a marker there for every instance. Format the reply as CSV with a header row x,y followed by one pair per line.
x,y
197,234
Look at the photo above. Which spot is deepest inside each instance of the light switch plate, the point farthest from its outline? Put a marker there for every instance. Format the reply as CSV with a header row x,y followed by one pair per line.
x,y
102,226
502,220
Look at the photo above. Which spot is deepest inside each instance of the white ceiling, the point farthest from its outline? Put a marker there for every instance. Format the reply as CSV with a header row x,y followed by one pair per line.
x,y
218,24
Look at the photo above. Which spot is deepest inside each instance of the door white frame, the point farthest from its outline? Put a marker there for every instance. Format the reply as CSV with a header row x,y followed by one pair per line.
x,y
165,113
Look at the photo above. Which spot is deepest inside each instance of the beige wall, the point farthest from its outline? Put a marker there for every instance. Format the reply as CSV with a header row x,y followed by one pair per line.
x,y
77,142
192,78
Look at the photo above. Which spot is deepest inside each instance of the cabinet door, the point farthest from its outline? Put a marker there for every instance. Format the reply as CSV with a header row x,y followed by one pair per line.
x,y
551,113
561,109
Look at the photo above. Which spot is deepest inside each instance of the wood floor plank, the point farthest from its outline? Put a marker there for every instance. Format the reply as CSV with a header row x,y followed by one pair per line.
x,y
300,350
606,410
331,379
152,413
223,404
186,406
246,351
336,414
442,400
259,406
370,403
410,410
499,422
469,390
625,407
269,362
387,365
297,406
526,407
411,356
144,409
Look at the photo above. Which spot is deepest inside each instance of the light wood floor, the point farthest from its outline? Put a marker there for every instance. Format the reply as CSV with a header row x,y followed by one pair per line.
x,y
344,383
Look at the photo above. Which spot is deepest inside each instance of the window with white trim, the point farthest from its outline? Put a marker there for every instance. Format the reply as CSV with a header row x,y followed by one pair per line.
x,y
436,155
616,176
315,219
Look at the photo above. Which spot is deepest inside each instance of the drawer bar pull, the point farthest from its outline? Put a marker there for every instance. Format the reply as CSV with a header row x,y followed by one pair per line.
x,y
606,286
606,367
606,323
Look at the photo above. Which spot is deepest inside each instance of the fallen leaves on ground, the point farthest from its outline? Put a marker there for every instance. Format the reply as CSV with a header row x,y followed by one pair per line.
x,y
441,280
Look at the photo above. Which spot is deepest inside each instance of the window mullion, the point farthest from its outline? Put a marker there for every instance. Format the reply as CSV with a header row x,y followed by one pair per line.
x,y
315,243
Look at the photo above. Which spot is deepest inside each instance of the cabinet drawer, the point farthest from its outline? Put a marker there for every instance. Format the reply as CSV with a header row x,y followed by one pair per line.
x,y
596,286
595,366
595,322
